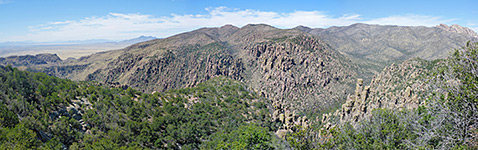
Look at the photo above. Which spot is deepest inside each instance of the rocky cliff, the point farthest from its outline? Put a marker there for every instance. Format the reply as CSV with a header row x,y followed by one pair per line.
x,y
458,29
402,86
295,70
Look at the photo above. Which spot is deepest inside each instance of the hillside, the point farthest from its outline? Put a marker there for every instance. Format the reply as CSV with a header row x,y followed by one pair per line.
x,y
43,112
30,60
397,87
295,70
376,46
417,104
232,88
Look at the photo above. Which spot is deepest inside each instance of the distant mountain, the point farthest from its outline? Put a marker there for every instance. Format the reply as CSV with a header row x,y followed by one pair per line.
x,y
137,40
458,29
376,46
90,41
66,49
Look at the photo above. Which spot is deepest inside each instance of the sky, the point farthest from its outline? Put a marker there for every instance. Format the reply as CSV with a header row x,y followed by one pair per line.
x,y
72,20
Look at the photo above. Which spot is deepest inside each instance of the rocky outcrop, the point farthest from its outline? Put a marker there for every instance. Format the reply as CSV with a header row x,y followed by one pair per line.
x,y
75,110
303,75
397,87
289,67
458,29
289,120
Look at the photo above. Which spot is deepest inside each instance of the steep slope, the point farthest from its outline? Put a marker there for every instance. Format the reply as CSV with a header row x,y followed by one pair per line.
x,y
293,69
382,115
40,111
377,46
458,29
402,86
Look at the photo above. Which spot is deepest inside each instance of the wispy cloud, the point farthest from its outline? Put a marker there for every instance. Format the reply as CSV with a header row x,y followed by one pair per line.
x,y
117,26
4,2
473,26
410,20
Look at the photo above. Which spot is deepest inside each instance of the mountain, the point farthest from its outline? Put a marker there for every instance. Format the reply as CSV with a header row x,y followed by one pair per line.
x,y
137,40
417,104
376,46
230,88
458,29
295,70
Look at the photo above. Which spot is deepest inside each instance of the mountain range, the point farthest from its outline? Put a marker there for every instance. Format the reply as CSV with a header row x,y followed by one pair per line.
x,y
304,76
376,46
301,69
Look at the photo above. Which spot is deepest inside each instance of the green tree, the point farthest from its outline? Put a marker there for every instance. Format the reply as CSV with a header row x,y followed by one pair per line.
x,y
450,118
18,137
7,118
245,137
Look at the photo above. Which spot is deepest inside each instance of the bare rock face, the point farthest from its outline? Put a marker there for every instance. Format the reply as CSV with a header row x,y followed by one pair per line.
x,y
289,67
301,75
290,121
397,87
458,29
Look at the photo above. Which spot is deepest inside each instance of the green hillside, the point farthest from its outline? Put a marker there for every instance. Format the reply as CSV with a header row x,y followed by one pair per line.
x,y
40,111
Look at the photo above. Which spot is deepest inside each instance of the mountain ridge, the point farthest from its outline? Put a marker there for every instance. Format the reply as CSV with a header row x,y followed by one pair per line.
x,y
273,61
287,66
374,47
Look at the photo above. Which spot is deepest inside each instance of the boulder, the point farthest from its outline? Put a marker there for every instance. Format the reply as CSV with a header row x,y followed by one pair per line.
x,y
282,133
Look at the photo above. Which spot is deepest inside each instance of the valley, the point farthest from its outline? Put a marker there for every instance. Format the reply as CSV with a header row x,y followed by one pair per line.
x,y
361,86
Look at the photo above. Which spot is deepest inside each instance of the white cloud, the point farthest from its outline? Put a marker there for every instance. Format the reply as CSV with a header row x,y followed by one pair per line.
x,y
410,20
116,26
473,26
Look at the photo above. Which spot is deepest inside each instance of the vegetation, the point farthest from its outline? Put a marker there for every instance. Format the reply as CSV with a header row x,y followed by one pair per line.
x,y
40,111
385,129
448,120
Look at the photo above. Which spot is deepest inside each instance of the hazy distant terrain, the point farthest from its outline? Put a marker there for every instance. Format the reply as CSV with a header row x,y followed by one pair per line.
x,y
66,49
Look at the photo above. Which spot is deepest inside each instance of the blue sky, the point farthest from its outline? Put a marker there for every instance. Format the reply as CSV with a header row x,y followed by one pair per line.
x,y
66,20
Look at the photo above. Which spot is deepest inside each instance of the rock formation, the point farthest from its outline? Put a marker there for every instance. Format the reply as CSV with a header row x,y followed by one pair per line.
x,y
396,87
286,66
458,29
290,120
